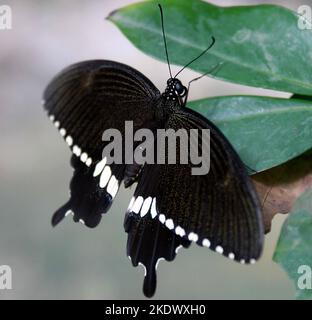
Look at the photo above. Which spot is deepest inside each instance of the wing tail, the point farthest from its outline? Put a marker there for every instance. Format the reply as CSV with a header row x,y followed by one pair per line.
x,y
149,242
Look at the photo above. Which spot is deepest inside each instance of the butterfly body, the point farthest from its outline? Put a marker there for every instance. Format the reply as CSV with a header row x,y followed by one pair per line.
x,y
170,207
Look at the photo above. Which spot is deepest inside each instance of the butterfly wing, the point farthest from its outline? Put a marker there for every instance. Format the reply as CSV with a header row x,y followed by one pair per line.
x,y
219,210
149,241
83,101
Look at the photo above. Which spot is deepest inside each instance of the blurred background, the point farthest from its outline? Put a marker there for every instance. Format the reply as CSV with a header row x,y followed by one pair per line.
x,y
71,261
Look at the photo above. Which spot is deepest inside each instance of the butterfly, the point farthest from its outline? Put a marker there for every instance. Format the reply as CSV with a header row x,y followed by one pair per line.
x,y
170,207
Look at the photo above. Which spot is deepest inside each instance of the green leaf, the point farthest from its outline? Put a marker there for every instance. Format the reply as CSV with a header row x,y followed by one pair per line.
x,y
260,46
294,247
265,131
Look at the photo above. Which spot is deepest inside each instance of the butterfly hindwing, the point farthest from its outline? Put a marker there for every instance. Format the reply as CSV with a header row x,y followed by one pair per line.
x,y
219,210
90,195
83,101
148,242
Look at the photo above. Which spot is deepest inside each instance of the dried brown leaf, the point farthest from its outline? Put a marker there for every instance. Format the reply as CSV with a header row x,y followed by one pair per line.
x,y
279,187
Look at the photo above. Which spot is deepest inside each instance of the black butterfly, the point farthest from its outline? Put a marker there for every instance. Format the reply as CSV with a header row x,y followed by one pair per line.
x,y
170,207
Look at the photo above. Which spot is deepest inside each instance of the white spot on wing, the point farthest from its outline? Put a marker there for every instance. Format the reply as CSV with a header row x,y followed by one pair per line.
x,y
77,151
169,224
146,206
84,157
153,209
252,261
105,176
81,221
159,259
69,140
178,248
137,204
206,243
131,204
219,249
193,237
99,167
180,231
162,218
89,162
57,124
113,186
115,190
232,256
68,213
141,264
52,118
63,132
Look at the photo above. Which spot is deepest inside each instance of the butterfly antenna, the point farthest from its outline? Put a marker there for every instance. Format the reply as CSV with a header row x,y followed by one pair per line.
x,y
164,36
216,67
198,78
211,44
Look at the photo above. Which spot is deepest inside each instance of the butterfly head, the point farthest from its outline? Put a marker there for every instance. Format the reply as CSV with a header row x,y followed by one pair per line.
x,y
175,90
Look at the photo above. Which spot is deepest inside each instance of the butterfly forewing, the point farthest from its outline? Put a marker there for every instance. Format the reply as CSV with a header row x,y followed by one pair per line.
x,y
89,97
83,101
